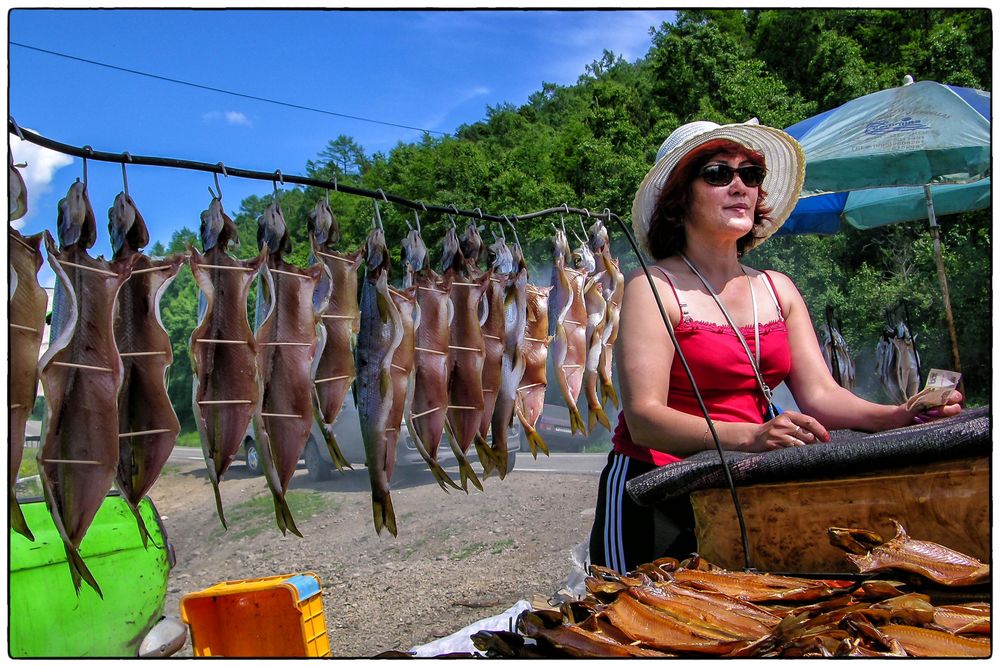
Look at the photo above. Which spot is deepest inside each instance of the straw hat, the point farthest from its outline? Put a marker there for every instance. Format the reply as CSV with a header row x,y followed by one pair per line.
x,y
783,158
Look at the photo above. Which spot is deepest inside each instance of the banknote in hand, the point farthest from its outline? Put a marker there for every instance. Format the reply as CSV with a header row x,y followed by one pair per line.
x,y
939,386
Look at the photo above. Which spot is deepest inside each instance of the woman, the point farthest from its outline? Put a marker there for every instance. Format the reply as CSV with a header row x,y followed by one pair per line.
x,y
714,193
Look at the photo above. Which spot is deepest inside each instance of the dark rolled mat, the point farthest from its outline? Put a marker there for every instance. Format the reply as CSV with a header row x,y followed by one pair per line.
x,y
966,434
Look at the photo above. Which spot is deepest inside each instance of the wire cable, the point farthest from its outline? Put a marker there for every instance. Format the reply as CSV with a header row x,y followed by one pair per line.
x,y
88,153
223,91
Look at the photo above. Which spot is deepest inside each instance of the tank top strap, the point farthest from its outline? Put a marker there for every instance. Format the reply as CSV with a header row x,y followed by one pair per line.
x,y
769,284
681,306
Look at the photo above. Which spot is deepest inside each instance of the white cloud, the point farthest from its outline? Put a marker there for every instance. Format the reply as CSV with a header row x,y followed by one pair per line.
x,y
42,164
229,117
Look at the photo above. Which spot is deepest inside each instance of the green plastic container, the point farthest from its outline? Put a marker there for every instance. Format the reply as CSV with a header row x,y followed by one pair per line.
x,y
48,618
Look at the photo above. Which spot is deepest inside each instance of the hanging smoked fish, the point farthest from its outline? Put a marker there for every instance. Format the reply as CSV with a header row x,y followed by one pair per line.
x,y
401,370
494,343
613,285
466,355
147,424
515,304
226,389
380,335
597,307
429,392
569,344
81,374
334,372
836,353
26,306
286,344
535,350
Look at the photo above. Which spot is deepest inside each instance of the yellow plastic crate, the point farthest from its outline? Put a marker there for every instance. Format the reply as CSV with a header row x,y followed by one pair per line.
x,y
280,616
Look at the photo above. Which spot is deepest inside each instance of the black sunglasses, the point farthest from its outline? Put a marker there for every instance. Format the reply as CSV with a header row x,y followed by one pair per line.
x,y
720,175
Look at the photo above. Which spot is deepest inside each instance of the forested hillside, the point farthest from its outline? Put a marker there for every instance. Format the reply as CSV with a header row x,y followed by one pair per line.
x,y
589,144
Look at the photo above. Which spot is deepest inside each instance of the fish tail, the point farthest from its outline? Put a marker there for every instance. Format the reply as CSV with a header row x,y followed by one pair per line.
x,y
501,460
465,471
336,455
576,420
440,476
284,515
608,393
143,530
17,521
79,570
486,455
596,414
383,514
535,443
218,499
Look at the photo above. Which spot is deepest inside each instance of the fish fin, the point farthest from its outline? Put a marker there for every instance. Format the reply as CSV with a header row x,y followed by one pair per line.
x,y
576,420
284,515
595,415
608,393
17,521
440,476
383,514
535,443
500,456
485,453
385,306
78,570
336,455
465,471
143,530
218,498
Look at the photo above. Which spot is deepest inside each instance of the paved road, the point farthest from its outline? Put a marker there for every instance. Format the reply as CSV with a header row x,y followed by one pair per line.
x,y
557,462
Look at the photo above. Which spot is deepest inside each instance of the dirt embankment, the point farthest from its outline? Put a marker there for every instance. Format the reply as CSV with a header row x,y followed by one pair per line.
x,y
458,558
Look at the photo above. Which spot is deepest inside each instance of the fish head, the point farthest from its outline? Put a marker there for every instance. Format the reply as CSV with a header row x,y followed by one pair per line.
x,y
376,253
583,259
451,252
126,226
501,259
597,237
414,251
560,245
323,224
472,244
217,228
76,222
273,232
17,193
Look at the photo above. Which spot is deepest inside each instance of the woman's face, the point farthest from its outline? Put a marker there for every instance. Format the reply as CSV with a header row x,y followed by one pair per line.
x,y
725,211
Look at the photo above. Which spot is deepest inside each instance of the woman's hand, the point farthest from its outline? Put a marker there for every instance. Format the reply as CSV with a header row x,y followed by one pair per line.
x,y
789,429
949,409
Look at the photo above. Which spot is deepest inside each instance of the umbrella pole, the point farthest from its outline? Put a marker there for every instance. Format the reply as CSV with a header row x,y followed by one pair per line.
x,y
943,279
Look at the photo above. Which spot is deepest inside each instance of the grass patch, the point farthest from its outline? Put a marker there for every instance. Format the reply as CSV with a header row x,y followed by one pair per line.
x,y
256,515
189,439
598,447
469,550
501,546
170,469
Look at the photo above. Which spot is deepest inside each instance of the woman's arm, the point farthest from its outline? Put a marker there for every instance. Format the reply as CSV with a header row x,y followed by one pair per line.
x,y
811,383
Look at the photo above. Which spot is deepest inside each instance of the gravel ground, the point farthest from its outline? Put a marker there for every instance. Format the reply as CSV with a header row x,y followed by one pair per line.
x,y
458,558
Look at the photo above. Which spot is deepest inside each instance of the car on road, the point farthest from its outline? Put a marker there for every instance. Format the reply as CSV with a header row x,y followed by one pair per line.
x,y
347,431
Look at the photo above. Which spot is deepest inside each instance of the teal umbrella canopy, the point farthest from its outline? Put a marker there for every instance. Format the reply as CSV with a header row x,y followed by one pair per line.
x,y
918,134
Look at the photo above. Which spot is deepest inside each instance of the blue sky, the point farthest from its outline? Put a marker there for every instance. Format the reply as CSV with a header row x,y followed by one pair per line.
x,y
429,69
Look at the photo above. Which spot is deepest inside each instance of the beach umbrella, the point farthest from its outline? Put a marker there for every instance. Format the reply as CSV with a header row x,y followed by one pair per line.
x,y
900,154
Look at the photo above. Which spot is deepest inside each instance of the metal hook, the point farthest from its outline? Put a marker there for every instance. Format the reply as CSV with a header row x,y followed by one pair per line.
x,y
17,128
417,217
566,207
479,212
278,178
422,205
514,229
378,214
128,157
582,226
327,192
379,191
86,149
335,187
587,213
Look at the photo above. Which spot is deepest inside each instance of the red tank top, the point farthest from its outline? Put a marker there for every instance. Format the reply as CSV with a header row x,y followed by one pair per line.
x,y
723,373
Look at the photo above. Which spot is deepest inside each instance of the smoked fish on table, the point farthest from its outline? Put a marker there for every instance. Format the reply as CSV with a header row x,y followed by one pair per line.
x,y
226,388
147,424
286,345
81,375
569,342
333,367
429,401
466,355
531,391
26,307
381,333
